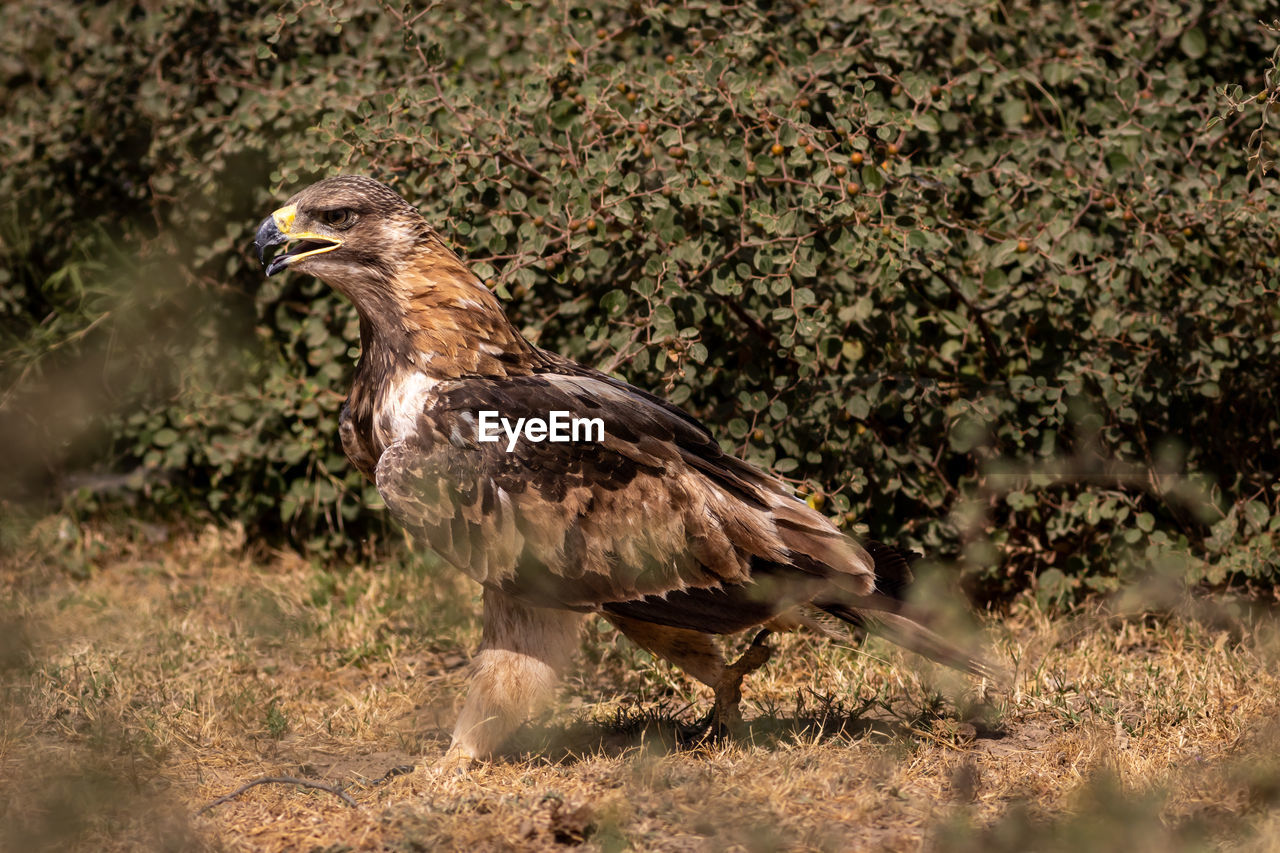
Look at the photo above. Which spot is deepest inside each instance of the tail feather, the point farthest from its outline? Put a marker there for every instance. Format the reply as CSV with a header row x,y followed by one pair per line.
x,y
885,612
913,635
892,567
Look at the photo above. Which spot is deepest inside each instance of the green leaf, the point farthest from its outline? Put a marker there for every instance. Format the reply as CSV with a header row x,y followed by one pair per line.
x,y
1193,43
614,302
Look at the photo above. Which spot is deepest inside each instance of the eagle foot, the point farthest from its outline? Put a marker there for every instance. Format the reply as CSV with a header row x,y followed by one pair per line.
x,y
456,765
725,718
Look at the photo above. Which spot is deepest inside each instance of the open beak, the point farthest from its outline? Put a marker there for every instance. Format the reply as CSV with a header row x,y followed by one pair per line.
x,y
277,229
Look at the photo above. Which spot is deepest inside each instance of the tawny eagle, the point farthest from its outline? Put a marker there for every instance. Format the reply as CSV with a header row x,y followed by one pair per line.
x,y
650,525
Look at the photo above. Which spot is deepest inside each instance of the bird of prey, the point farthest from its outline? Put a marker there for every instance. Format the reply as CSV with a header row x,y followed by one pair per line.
x,y
646,522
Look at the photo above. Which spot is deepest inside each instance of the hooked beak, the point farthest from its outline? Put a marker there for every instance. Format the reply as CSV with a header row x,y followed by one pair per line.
x,y
277,229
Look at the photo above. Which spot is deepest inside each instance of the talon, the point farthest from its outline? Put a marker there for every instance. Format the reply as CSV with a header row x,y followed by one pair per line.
x,y
456,764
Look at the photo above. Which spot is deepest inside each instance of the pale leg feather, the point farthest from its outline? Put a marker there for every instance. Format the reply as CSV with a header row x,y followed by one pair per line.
x,y
523,653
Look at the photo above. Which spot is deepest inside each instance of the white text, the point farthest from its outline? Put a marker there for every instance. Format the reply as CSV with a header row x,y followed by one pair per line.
x,y
558,426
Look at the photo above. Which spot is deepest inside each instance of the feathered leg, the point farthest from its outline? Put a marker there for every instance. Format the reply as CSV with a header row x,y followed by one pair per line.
x,y
692,651
522,654
728,716
696,653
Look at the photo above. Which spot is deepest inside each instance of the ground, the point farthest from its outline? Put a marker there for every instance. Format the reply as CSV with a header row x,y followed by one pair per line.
x,y
148,673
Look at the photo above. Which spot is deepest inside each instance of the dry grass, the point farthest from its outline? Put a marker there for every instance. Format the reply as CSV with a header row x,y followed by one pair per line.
x,y
142,681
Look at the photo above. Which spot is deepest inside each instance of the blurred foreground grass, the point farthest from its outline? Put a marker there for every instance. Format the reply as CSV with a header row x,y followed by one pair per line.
x,y
146,674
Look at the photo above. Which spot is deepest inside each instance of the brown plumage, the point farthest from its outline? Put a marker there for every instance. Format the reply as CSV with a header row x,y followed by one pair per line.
x,y
653,526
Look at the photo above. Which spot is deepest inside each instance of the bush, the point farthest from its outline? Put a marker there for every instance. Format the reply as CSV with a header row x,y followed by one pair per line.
x,y
990,280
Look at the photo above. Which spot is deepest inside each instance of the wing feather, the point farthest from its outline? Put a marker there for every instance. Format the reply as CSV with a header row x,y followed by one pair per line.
x,y
655,521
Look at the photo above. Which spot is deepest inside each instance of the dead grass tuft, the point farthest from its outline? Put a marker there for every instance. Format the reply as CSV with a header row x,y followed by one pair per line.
x,y
146,681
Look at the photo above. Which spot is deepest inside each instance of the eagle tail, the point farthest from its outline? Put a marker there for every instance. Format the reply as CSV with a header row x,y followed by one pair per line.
x,y
885,612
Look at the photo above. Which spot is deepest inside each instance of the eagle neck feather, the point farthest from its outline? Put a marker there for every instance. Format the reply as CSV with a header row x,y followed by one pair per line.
x,y
438,323
441,320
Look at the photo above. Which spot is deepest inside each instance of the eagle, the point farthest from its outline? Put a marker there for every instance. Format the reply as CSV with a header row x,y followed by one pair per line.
x,y
646,522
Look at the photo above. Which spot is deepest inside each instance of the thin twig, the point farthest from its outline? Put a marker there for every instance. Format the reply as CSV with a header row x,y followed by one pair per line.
x,y
988,338
398,770
283,780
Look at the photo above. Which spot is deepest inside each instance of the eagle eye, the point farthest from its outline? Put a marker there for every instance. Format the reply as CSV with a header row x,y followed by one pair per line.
x,y
340,217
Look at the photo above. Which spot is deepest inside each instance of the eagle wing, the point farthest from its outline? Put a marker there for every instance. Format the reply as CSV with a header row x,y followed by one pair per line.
x,y
653,522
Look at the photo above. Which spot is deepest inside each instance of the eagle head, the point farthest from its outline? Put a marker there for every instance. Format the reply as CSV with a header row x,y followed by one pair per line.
x,y
349,231
362,239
